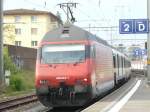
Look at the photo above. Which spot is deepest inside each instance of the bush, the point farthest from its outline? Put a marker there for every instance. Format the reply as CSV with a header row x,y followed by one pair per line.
x,y
8,63
17,83
19,79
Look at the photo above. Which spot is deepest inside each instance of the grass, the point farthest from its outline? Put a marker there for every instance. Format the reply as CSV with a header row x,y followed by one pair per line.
x,y
20,83
20,80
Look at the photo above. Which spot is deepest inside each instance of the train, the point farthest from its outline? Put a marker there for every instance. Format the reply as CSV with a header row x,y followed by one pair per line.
x,y
74,66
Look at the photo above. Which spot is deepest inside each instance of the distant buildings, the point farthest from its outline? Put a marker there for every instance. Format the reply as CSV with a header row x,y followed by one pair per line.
x,y
24,27
130,51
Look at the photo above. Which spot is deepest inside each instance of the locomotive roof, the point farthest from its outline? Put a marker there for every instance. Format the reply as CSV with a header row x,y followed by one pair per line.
x,y
70,32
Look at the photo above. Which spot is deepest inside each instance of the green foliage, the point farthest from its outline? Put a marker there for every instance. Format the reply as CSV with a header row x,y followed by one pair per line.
x,y
28,78
8,64
9,33
16,83
20,80
23,80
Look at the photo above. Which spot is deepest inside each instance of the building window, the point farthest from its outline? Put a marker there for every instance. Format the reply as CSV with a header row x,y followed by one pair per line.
x,y
34,31
17,18
18,31
33,18
34,43
17,43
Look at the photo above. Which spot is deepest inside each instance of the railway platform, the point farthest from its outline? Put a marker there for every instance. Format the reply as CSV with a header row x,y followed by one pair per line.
x,y
140,101
133,96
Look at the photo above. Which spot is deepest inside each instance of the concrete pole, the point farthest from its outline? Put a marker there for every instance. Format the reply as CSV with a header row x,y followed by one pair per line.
x,y
148,44
1,45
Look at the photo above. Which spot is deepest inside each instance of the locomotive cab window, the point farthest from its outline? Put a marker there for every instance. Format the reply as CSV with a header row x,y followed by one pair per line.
x,y
63,54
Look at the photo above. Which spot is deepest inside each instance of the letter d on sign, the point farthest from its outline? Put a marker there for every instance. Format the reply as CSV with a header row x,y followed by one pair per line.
x,y
141,27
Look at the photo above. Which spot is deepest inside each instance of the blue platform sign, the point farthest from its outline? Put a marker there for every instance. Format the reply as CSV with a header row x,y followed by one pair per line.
x,y
126,26
137,52
143,51
133,26
140,52
142,26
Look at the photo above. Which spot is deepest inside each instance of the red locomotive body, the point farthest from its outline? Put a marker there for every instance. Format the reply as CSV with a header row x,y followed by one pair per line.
x,y
74,66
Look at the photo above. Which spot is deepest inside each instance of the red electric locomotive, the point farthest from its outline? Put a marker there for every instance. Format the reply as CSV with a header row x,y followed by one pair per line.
x,y
73,67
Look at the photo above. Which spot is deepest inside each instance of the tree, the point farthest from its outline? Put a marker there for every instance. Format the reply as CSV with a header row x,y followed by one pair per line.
x,y
9,34
8,63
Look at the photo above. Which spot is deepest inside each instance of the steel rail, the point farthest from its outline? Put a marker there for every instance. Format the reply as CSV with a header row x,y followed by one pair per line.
x,y
14,103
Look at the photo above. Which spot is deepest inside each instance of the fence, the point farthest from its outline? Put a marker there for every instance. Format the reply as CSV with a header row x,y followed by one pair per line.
x,y
24,58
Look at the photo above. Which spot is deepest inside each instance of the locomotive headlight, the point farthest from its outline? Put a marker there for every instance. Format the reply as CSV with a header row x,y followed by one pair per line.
x,y
85,79
81,81
81,85
43,82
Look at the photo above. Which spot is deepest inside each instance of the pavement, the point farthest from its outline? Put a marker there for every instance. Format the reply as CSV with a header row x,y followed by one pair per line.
x,y
133,96
140,101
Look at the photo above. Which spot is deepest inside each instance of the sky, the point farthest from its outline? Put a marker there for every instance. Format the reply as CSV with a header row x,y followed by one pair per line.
x,y
94,13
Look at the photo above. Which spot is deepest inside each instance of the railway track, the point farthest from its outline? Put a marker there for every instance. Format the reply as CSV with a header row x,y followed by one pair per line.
x,y
14,103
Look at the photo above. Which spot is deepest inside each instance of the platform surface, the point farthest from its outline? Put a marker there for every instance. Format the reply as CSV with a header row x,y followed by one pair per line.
x,y
139,101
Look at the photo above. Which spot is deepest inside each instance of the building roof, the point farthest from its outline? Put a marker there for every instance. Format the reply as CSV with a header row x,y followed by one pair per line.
x,y
24,11
29,11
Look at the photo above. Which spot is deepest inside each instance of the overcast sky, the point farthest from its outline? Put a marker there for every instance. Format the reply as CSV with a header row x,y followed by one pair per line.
x,y
93,12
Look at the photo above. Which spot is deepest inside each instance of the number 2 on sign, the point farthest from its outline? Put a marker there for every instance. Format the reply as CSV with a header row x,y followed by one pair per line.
x,y
126,26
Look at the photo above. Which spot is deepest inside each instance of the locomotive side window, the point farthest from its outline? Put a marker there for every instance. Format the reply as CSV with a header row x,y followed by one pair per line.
x,y
63,54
